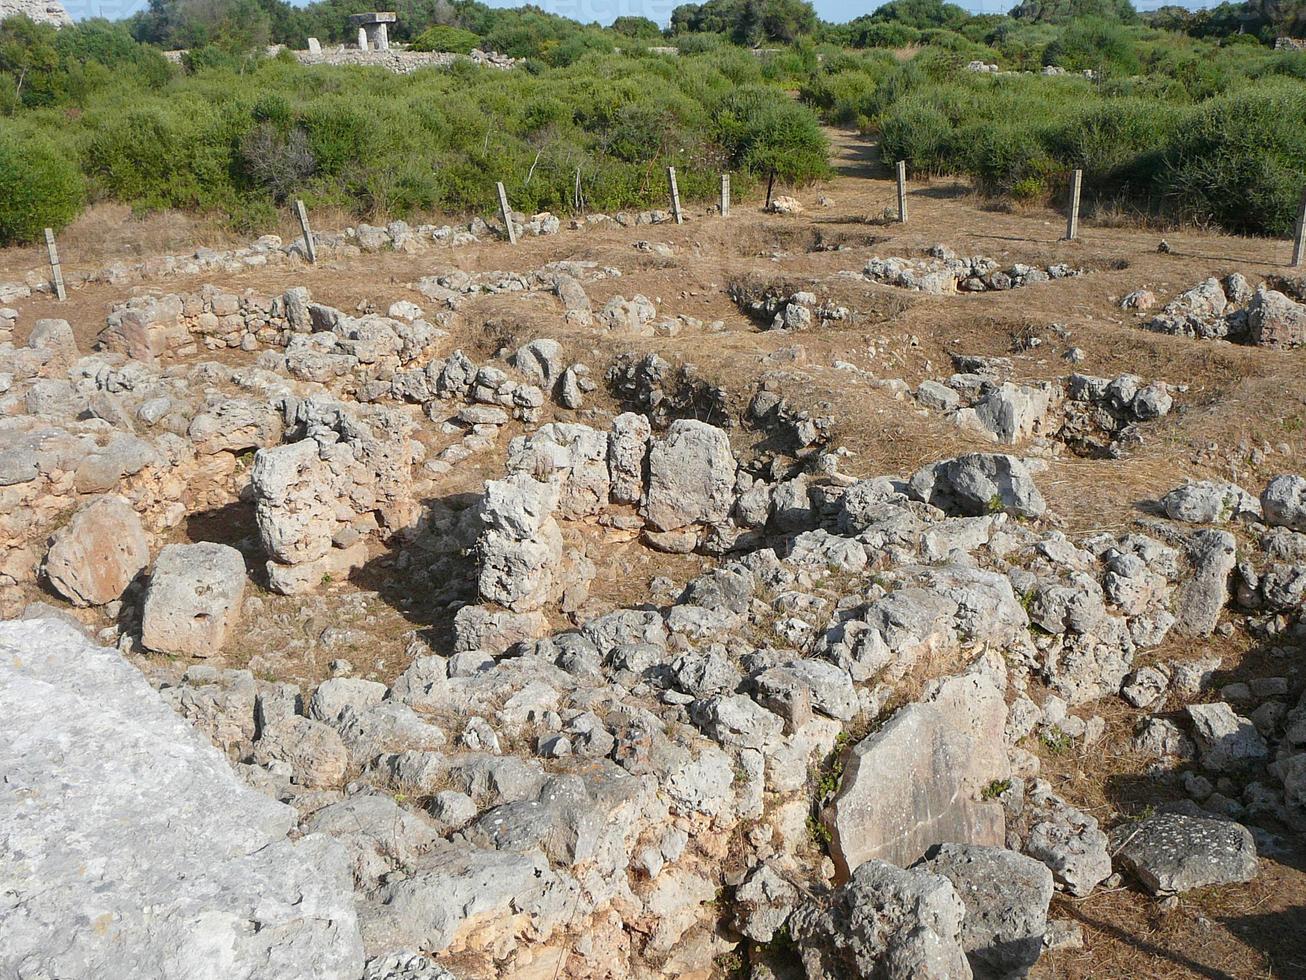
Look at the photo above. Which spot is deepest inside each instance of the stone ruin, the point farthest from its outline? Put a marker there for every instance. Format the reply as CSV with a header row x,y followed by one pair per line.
x,y
823,745
1230,309
942,272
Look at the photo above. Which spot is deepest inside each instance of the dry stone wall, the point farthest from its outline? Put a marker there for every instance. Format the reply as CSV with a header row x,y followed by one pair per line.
x,y
41,11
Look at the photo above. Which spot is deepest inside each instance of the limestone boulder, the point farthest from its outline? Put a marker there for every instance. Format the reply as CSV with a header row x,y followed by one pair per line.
x,y
1171,853
193,599
1006,897
886,923
95,556
1226,740
133,849
1209,502
1274,320
313,750
978,484
691,477
1284,502
918,781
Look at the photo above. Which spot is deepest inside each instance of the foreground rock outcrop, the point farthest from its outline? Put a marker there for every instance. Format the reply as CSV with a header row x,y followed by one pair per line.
x,y
130,847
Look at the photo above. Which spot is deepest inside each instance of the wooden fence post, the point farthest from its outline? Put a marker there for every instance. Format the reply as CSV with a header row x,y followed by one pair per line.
x,y
55,267
506,213
310,249
1072,219
675,196
1299,240
902,192
725,195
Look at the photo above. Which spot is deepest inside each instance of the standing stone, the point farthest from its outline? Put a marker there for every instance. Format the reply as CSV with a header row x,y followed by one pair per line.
x,y
1202,595
96,555
296,508
521,547
691,477
296,300
627,456
193,599
55,336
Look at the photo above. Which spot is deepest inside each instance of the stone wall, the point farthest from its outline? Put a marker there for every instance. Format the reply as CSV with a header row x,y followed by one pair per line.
x,y
400,62
41,11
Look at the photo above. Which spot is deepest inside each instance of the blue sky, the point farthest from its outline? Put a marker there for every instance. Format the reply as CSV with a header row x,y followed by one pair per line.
x,y
604,11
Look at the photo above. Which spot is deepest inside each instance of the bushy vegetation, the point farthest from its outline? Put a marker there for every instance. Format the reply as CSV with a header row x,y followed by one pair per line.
x,y
441,37
1176,113
41,66
39,187
377,144
1170,126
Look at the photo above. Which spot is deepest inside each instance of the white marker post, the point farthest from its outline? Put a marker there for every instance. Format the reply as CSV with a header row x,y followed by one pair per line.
x,y
1072,220
675,196
55,267
1299,240
902,192
725,195
506,213
301,213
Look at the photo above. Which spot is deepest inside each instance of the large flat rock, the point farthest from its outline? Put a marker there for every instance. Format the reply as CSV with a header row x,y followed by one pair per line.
x,y
129,847
918,781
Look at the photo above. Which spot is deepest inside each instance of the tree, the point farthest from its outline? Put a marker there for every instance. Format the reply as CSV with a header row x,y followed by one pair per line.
x,y
640,27
40,187
750,22
1170,18
921,14
1064,11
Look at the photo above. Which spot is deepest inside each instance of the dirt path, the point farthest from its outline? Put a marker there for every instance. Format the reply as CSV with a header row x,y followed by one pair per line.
x,y
855,155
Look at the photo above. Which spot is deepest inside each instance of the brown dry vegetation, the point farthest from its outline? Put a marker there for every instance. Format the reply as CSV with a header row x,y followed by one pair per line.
x,y
1235,397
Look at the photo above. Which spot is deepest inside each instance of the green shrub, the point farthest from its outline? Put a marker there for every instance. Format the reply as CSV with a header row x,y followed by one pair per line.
x,y
1239,162
640,27
440,37
887,35
1092,42
40,187
763,135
